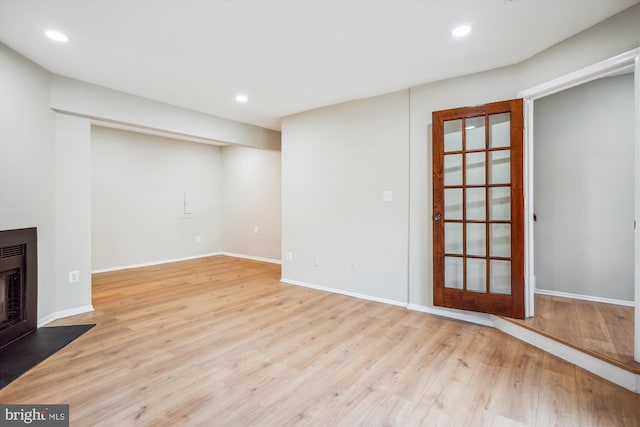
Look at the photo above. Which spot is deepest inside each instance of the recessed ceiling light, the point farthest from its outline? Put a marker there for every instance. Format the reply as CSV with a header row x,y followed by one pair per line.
x,y
242,98
461,31
56,36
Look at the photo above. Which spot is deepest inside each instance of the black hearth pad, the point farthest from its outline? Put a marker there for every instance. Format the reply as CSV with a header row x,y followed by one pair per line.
x,y
23,354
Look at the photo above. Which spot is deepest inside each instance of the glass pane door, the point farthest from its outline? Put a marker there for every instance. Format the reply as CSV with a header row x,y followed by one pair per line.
x,y
477,176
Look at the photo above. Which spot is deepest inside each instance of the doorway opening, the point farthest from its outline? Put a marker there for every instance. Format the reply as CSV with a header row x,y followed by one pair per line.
x,y
593,226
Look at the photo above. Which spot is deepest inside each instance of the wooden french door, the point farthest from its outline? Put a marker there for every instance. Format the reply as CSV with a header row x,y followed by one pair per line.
x,y
478,208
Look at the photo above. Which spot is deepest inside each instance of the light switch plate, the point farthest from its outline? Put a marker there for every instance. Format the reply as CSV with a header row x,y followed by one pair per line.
x,y
188,204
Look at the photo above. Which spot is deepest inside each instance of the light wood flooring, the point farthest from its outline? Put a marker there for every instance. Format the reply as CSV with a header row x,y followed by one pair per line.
x,y
602,330
221,342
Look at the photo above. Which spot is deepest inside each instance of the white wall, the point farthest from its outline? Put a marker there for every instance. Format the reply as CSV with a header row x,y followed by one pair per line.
x,y
251,198
584,190
336,163
138,187
27,163
73,212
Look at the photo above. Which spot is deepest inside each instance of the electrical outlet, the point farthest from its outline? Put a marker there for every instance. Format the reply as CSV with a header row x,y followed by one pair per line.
x,y
354,265
289,256
198,239
74,276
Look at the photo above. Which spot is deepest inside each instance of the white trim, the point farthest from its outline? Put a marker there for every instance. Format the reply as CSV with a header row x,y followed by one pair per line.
x,y
467,316
46,319
612,373
148,264
65,313
584,75
254,258
600,69
636,79
529,275
585,297
342,292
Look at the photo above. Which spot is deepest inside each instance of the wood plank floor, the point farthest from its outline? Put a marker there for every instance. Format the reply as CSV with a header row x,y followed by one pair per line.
x,y
603,330
220,342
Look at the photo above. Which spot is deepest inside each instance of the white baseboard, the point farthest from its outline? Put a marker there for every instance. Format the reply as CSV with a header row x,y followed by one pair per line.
x,y
585,297
64,313
149,264
342,292
612,373
254,258
46,319
478,318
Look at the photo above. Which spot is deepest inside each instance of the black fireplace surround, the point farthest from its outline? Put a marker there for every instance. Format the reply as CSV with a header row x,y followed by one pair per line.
x,y
18,283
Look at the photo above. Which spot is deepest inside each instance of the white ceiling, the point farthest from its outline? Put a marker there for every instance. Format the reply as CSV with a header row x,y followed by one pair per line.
x,y
287,56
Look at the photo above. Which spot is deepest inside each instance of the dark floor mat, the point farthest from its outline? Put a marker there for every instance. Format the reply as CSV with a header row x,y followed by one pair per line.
x,y
25,353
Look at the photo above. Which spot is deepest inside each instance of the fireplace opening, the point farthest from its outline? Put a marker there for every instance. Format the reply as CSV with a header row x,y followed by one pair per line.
x,y
18,284
10,298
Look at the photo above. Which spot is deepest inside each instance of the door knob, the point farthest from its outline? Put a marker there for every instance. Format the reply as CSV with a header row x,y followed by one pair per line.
x,y
437,217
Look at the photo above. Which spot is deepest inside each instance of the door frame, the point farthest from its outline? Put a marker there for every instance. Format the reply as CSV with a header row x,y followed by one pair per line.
x,y
624,61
